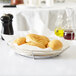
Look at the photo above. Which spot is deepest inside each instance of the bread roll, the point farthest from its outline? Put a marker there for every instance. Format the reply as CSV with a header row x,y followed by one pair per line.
x,y
55,44
35,44
20,41
46,39
37,39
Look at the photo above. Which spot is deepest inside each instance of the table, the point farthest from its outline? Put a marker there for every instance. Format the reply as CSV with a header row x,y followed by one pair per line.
x,y
43,12
47,15
12,64
16,65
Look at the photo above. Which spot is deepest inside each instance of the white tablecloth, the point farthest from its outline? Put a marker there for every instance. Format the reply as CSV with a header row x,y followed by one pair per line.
x,y
12,64
28,17
47,15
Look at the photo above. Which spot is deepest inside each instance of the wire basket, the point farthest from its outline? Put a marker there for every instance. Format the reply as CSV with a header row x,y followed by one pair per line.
x,y
34,52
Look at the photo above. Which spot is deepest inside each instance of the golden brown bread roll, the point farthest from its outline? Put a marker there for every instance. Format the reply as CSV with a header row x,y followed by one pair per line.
x,y
55,44
46,39
35,44
20,41
37,39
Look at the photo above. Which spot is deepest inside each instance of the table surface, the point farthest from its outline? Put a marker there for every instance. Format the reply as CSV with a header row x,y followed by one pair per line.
x,y
57,6
12,64
52,7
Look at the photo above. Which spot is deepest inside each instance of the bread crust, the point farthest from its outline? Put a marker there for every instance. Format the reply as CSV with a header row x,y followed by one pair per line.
x,y
20,41
35,44
37,38
55,44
